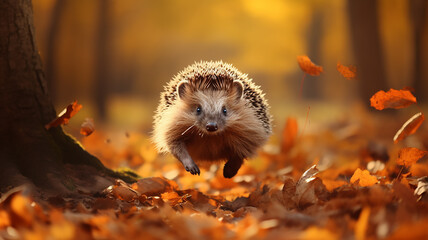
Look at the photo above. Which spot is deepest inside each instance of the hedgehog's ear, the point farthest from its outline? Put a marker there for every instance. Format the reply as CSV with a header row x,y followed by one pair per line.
x,y
238,88
181,89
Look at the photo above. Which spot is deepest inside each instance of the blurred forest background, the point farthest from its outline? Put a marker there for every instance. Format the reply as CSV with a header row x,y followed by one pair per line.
x,y
114,56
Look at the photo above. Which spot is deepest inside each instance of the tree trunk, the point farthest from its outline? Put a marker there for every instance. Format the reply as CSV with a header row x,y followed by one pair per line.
x,y
28,152
363,16
418,9
102,76
311,90
51,47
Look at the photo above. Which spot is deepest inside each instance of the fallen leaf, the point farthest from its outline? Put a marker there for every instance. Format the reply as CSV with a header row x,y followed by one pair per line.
x,y
416,229
21,208
364,178
318,233
361,226
173,198
409,127
308,188
392,99
154,186
65,115
308,66
4,219
333,184
124,193
422,188
409,155
347,72
87,127
289,134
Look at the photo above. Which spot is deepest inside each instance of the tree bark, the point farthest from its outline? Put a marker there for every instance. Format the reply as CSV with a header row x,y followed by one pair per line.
x,y
363,16
51,47
418,9
28,152
102,76
312,91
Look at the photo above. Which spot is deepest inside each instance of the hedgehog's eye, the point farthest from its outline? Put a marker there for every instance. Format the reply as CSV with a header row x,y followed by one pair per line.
x,y
224,110
198,110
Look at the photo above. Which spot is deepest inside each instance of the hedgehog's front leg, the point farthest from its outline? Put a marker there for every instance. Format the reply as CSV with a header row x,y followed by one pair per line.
x,y
179,150
232,166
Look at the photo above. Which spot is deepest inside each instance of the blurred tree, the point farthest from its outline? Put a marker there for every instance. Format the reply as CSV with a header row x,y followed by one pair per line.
x,y
418,9
315,32
102,50
28,152
51,46
364,28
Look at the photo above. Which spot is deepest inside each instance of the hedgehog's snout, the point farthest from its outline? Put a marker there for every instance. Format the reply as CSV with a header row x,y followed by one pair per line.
x,y
211,126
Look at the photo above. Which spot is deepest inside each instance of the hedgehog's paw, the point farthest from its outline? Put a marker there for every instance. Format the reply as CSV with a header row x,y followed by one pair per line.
x,y
191,167
231,168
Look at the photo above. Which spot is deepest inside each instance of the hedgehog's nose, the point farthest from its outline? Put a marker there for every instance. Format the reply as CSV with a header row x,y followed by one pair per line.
x,y
211,127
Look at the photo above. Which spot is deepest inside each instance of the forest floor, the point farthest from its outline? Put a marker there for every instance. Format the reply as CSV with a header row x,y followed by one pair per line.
x,y
345,179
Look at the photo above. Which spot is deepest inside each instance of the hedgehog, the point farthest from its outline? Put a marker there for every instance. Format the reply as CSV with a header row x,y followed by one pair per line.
x,y
211,112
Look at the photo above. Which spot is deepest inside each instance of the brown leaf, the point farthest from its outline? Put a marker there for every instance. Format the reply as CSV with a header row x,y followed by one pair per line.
x,y
392,99
408,156
422,188
124,193
409,127
308,188
87,127
65,115
288,192
347,72
364,178
154,186
308,66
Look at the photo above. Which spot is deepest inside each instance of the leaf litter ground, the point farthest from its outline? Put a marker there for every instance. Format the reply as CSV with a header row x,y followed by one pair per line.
x,y
341,180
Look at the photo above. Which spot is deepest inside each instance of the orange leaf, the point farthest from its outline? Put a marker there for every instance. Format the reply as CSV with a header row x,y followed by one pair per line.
x,y
408,156
392,99
87,127
362,224
154,186
409,127
347,72
65,115
364,177
333,184
289,134
308,66
4,219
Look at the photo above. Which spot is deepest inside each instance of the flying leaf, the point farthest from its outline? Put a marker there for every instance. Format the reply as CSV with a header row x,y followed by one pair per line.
x,y
87,127
409,127
392,99
308,66
408,156
65,115
347,72
363,177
